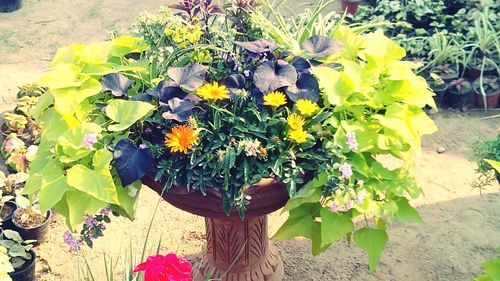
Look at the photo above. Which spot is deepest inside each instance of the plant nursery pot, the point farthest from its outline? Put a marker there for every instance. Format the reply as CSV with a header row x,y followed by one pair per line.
x,y
351,6
424,22
472,73
459,100
37,233
235,249
446,77
27,272
7,6
7,221
440,93
492,99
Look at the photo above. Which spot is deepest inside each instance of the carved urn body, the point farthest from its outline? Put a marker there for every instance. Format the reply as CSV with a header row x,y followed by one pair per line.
x,y
235,249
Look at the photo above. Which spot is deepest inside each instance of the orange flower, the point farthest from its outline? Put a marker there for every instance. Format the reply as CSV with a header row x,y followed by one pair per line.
x,y
181,138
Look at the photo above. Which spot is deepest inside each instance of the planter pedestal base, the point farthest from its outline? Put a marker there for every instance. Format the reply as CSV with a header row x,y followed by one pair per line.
x,y
239,251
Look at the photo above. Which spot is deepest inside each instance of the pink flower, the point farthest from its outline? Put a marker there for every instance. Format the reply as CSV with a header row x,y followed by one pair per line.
x,y
351,141
361,197
347,206
12,144
334,208
89,140
346,171
165,268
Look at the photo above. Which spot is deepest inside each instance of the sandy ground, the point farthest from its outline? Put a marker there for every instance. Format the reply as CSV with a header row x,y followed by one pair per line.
x,y
461,227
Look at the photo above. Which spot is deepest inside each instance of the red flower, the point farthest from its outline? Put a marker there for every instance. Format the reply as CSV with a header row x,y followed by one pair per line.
x,y
165,268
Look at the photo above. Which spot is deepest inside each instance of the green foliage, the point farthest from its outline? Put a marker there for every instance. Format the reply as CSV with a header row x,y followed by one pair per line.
x,y
492,270
70,174
18,249
486,155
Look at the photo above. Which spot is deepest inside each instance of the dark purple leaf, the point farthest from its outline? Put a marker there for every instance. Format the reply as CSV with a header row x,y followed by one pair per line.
x,y
179,110
168,93
188,78
301,64
321,46
234,82
117,83
307,87
258,46
132,162
270,76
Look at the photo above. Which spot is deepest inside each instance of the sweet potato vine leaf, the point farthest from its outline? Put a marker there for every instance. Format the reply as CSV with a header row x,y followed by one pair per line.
x,y
373,242
117,83
188,78
270,76
132,162
179,110
321,46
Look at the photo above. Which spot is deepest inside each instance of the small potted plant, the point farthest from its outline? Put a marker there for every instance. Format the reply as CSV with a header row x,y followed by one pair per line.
x,y
14,123
446,72
475,65
30,90
439,87
7,6
350,5
7,209
487,89
21,254
29,221
460,91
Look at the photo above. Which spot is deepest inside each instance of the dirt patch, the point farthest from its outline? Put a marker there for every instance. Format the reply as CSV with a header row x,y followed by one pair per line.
x,y
27,218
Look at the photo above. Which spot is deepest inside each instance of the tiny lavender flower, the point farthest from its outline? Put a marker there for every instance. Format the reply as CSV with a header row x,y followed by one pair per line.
x,y
361,182
90,222
361,197
334,208
346,171
142,146
351,141
73,243
106,211
89,140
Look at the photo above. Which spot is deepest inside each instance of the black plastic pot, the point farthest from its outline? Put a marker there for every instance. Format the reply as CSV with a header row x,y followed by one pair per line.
x,y
473,72
7,222
446,77
27,272
38,233
459,100
7,6
440,93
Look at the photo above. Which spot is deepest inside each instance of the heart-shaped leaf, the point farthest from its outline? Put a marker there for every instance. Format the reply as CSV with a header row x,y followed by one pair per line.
x,y
234,82
132,162
126,113
301,64
270,76
117,83
307,87
258,46
321,46
168,93
180,110
190,77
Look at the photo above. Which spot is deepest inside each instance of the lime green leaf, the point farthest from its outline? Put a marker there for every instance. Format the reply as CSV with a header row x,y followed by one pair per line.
x,y
309,193
50,184
96,53
327,79
97,183
80,204
44,101
53,124
492,269
494,164
67,100
127,203
373,242
334,226
126,113
75,136
126,45
318,246
62,76
301,222
406,212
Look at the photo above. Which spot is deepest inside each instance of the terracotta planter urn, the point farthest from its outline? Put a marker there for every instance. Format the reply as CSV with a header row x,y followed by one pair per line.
x,y
235,250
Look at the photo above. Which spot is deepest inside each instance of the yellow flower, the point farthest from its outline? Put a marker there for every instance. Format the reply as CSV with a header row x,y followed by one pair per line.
x,y
194,34
275,99
181,138
299,136
213,92
306,107
295,121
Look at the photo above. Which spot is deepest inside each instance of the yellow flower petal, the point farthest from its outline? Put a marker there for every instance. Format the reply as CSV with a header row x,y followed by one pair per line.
x,y
213,92
275,99
299,136
306,107
295,121
181,138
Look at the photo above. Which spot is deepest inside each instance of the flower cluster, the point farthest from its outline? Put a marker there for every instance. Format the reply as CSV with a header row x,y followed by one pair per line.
x,y
93,228
165,268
